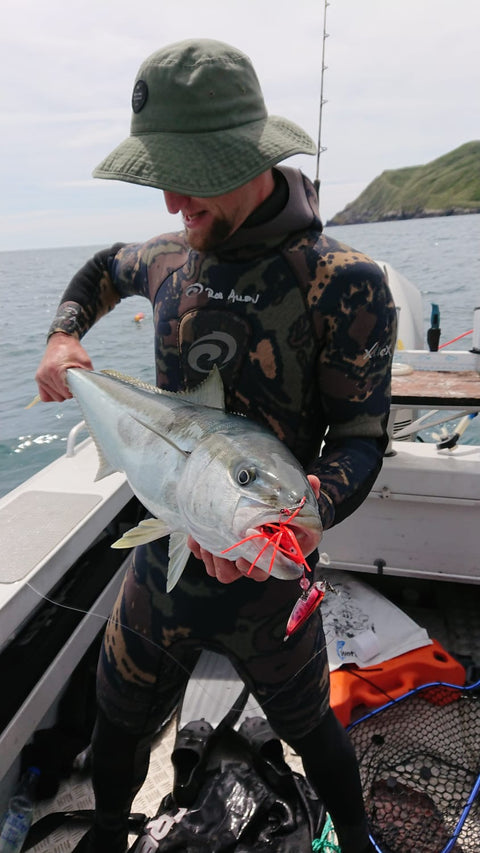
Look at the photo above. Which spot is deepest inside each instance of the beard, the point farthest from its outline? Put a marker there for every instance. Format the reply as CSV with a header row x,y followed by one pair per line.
x,y
219,230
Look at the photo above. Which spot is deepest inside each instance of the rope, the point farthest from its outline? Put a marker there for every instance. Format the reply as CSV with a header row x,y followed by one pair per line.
x,y
327,840
456,339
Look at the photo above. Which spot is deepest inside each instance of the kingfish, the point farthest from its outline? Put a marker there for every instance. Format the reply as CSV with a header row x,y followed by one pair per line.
x,y
198,470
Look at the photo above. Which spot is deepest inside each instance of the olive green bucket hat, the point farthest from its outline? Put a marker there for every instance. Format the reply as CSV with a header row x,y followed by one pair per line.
x,y
199,123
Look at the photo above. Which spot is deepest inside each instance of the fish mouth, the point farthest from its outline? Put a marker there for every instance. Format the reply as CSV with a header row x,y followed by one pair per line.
x,y
277,540
307,538
281,548
293,539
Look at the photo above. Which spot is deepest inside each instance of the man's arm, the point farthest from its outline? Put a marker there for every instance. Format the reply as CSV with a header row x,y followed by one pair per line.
x,y
90,294
354,375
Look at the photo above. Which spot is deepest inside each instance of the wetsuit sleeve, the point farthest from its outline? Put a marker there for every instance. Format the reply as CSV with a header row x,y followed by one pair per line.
x,y
109,276
354,375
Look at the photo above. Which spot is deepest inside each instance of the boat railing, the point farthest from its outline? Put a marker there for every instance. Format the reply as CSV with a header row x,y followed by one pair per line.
x,y
72,438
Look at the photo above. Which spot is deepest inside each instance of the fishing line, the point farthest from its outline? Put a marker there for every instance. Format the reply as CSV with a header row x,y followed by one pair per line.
x,y
156,645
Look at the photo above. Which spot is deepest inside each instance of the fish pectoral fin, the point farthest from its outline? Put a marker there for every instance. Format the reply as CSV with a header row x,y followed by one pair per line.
x,y
178,556
161,435
147,531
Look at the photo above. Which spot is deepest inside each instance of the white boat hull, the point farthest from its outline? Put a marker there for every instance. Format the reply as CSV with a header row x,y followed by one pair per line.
x,y
420,520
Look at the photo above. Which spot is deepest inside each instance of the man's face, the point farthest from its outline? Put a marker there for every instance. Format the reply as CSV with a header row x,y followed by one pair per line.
x,y
209,221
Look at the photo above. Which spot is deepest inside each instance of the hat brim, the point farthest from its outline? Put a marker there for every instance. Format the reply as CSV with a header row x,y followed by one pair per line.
x,y
205,164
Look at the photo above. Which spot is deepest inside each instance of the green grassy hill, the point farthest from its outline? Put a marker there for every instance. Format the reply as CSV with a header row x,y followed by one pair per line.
x,y
447,186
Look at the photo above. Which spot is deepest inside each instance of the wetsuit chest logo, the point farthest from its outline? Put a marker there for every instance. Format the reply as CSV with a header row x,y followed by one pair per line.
x,y
208,338
230,297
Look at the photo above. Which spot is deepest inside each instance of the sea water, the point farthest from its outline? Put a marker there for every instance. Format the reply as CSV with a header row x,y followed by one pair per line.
x,y
440,255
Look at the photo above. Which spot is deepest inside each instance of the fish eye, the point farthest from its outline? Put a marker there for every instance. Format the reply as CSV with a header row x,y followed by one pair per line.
x,y
245,476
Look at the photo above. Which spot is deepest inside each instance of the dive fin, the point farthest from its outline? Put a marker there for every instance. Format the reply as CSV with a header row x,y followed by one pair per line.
x,y
178,556
147,531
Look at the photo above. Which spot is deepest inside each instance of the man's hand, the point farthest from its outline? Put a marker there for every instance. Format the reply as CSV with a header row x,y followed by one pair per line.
x,y
315,484
63,351
225,571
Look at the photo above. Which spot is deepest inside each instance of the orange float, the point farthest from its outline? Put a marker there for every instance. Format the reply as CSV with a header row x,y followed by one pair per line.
x,y
354,691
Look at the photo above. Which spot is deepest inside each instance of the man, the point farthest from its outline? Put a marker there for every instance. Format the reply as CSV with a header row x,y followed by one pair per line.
x,y
302,329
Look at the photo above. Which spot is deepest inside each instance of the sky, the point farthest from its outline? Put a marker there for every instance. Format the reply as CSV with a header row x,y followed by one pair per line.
x,y
401,89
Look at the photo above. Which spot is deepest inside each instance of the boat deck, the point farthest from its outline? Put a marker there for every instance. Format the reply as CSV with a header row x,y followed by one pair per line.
x,y
438,587
450,613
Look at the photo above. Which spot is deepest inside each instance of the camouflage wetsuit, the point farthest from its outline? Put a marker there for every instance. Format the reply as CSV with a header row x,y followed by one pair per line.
x,y
302,328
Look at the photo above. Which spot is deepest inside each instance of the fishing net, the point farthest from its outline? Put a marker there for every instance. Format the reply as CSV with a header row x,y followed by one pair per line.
x,y
419,759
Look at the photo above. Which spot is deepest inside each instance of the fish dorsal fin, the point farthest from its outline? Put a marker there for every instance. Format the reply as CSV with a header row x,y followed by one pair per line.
x,y
178,556
209,393
147,531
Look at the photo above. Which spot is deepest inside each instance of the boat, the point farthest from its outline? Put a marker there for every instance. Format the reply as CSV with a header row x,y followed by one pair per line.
x,y
60,576
419,520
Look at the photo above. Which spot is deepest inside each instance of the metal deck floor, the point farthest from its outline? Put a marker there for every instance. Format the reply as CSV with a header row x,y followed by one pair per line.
x,y
449,612
76,793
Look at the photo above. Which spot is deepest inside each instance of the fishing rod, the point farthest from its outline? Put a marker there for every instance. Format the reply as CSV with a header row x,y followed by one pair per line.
x,y
321,148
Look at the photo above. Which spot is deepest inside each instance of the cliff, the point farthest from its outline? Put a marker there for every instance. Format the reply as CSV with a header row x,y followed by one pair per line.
x,y
448,186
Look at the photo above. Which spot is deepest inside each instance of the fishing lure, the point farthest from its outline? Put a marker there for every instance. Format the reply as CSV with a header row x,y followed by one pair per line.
x,y
311,598
282,539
